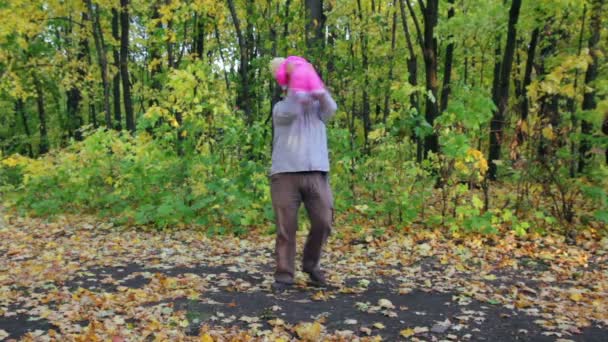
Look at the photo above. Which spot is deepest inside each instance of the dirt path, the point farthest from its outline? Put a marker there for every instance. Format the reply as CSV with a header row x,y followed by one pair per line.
x,y
84,280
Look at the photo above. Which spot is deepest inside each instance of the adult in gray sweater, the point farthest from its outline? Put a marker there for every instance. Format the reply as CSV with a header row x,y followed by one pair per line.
x,y
299,173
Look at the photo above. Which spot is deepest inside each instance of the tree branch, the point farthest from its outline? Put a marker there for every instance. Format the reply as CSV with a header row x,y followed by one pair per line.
x,y
422,6
413,14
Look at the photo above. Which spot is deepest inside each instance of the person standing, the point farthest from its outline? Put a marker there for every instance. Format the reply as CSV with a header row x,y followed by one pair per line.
x,y
299,174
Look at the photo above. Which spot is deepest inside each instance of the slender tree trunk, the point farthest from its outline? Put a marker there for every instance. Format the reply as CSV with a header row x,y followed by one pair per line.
x,y
412,68
447,73
170,45
44,139
431,14
116,79
502,95
220,48
73,105
589,101
315,30
124,64
89,85
199,42
365,65
496,70
330,50
523,91
286,27
243,98
572,102
155,56
250,43
74,95
389,81
100,46
525,107
20,109
274,89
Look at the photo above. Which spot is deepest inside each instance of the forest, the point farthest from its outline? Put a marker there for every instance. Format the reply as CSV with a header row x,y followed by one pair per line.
x,y
469,168
473,115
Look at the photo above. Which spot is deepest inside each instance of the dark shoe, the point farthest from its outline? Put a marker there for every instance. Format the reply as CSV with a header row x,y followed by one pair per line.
x,y
280,287
317,279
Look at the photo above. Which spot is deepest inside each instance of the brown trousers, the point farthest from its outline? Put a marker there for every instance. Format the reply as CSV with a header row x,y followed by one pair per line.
x,y
288,191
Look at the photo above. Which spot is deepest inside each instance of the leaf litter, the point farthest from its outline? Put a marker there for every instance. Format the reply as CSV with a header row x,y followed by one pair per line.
x,y
92,281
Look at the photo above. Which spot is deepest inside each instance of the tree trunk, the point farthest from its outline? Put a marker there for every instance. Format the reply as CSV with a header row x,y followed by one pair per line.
x,y
589,101
116,79
274,89
44,139
286,27
522,93
20,109
100,46
199,40
250,43
389,81
330,50
502,93
219,44
124,64
428,43
447,73
243,98
571,104
412,68
74,95
170,45
315,30
155,57
365,114
431,13
525,107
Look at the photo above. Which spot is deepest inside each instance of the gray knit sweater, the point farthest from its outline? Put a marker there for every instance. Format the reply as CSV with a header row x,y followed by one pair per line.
x,y
300,139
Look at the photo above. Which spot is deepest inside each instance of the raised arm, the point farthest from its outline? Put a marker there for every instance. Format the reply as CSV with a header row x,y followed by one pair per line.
x,y
286,110
327,106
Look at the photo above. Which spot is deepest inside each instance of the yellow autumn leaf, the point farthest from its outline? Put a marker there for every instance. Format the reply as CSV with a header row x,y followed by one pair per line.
x,y
309,331
206,338
276,322
576,296
407,332
548,133
376,134
524,126
379,325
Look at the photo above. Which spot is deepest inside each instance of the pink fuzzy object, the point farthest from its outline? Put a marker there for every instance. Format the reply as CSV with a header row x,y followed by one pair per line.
x,y
303,77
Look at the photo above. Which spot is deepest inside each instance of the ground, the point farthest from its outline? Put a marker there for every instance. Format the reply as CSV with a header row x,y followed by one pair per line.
x,y
85,280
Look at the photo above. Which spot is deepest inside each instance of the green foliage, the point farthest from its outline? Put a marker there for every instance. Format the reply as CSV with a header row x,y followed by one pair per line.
x,y
140,181
197,159
168,175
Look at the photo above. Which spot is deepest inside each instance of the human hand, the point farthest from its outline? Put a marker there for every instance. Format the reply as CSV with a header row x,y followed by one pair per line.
x,y
318,94
289,67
